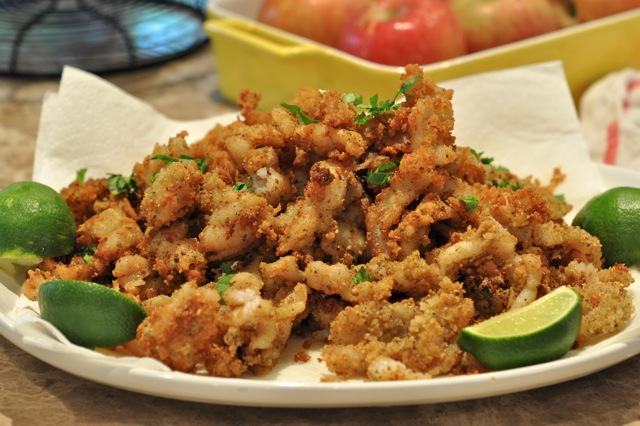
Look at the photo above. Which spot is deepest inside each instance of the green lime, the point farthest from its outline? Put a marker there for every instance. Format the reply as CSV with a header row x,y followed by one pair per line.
x,y
90,314
35,222
541,331
614,218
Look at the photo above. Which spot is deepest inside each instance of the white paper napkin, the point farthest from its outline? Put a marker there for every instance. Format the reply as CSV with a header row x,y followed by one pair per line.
x,y
523,117
90,123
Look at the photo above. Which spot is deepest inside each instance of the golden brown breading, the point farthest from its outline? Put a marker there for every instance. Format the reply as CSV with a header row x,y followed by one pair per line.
x,y
403,340
195,330
272,226
81,198
172,195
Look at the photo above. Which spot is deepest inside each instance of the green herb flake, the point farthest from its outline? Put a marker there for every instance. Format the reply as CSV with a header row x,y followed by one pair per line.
x,y
505,183
381,176
202,164
374,107
560,197
80,176
303,118
224,282
471,202
361,276
119,184
87,253
479,156
486,292
166,158
243,187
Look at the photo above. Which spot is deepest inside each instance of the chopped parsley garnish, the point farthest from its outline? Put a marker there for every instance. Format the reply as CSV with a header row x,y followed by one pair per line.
x,y
471,202
87,253
361,276
302,117
560,197
381,176
374,107
243,187
119,184
486,292
202,164
504,183
224,282
80,176
483,160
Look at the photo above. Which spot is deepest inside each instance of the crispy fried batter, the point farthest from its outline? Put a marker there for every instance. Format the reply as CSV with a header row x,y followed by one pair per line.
x,y
285,214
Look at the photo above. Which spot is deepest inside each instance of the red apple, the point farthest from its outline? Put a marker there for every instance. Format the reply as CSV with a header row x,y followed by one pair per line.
x,y
490,23
587,10
319,20
401,32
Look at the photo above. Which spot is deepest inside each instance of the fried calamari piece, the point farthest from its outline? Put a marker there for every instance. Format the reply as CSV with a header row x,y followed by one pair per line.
x,y
418,172
174,254
326,106
563,244
261,327
172,195
49,269
112,232
184,330
144,172
232,219
81,197
313,216
606,307
425,117
212,148
402,340
131,273
194,330
321,137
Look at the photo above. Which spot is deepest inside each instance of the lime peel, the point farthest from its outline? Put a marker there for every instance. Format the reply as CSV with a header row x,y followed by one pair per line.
x,y
90,314
542,331
614,218
35,222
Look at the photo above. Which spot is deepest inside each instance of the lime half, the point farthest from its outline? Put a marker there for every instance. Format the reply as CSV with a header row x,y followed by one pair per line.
x,y
90,314
614,217
541,331
35,222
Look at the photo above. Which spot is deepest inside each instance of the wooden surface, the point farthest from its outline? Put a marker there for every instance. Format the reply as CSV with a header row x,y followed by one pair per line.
x,y
32,392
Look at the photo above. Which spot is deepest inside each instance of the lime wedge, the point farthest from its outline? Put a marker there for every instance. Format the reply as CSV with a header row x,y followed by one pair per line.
x,y
90,314
541,331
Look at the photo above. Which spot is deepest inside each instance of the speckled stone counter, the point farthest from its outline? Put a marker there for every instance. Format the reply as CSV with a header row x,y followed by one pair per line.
x,y
32,392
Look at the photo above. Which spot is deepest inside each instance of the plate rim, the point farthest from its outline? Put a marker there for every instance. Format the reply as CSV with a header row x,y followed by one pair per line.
x,y
255,392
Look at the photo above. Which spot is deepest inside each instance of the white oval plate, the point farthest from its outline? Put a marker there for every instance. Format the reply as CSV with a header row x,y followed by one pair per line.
x,y
298,384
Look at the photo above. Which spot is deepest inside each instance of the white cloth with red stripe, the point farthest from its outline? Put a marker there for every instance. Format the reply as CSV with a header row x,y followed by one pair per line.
x,y
610,119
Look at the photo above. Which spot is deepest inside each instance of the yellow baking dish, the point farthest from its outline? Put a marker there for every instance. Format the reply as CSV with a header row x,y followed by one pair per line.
x,y
252,55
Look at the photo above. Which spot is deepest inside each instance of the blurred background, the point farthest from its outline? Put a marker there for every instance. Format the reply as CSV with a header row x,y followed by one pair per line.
x,y
39,37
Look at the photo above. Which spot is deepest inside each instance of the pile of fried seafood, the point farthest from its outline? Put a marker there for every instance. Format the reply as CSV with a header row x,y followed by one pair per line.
x,y
281,206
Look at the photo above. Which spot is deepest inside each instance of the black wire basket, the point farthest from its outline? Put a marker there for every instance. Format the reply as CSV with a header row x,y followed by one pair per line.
x,y
39,37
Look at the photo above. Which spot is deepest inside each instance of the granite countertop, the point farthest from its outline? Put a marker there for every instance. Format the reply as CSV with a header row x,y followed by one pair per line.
x,y
32,392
